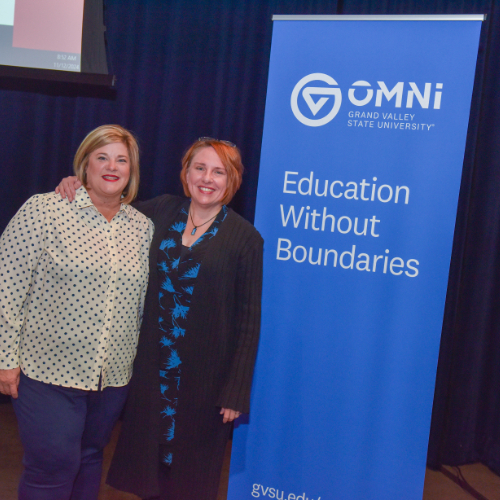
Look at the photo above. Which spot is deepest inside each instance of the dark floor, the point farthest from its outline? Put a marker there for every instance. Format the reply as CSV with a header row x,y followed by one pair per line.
x,y
437,485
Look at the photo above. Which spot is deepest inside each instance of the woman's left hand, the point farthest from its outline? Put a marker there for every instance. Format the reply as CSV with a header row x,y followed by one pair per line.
x,y
229,415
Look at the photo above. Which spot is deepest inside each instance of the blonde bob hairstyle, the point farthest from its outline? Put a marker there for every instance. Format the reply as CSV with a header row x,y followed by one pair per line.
x,y
102,136
230,157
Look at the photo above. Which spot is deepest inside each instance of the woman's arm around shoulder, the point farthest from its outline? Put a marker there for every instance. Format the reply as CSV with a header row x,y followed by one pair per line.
x,y
155,208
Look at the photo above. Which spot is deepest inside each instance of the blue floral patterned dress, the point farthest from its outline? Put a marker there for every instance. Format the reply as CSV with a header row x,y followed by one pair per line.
x,y
178,268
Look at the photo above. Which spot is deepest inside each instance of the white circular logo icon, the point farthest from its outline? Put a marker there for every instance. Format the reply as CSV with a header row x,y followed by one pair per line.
x,y
306,92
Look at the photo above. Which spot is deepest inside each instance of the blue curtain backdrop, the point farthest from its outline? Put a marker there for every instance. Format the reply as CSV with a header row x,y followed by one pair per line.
x,y
190,68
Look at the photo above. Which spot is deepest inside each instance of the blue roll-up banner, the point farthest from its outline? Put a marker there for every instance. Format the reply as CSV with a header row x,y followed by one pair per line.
x,y
364,137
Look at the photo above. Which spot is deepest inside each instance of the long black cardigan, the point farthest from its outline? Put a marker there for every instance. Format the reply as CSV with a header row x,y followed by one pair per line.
x,y
223,328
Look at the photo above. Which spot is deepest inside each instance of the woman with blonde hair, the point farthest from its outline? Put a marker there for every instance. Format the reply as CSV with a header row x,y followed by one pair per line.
x,y
74,282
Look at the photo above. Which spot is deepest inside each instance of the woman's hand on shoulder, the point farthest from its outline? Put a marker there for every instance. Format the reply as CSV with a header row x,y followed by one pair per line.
x,y
229,415
68,186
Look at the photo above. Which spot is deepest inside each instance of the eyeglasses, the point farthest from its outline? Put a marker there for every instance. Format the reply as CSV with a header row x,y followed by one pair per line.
x,y
227,143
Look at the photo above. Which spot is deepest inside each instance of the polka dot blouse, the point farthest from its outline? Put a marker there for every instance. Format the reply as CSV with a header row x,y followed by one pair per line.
x,y
72,288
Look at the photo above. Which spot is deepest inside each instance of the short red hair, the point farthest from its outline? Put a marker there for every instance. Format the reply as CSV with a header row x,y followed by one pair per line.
x,y
229,156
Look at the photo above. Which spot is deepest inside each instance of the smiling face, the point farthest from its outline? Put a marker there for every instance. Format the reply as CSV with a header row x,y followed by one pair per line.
x,y
206,179
108,172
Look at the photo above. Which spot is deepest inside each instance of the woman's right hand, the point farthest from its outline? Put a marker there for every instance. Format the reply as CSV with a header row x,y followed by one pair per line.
x,y
9,381
68,186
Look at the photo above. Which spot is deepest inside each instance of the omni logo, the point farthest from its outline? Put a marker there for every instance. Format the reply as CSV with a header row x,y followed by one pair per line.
x,y
307,92
428,97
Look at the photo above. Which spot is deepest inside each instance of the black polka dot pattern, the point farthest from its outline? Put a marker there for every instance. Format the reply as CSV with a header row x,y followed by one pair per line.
x,y
72,289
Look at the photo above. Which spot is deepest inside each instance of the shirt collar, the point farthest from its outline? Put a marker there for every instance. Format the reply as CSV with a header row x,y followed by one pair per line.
x,y
82,200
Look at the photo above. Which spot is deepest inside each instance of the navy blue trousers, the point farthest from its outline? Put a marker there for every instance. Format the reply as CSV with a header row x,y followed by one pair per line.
x,y
64,432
